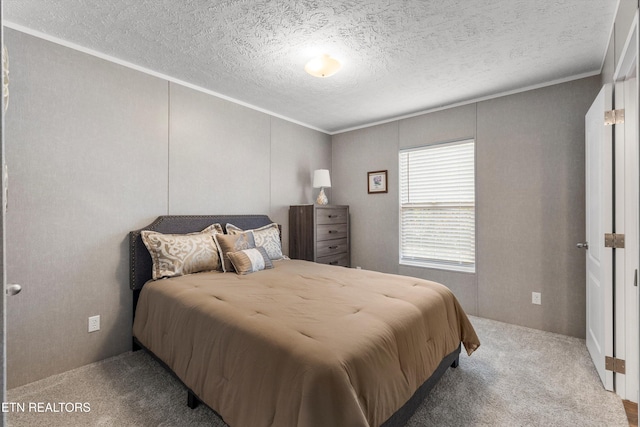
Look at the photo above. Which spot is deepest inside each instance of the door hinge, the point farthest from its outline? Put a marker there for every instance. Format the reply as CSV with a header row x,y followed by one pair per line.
x,y
613,240
613,117
614,365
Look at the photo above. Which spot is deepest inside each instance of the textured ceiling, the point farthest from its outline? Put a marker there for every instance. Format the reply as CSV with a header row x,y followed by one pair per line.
x,y
399,56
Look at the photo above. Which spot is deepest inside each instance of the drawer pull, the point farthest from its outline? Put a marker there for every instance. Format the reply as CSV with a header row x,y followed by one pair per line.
x,y
333,231
333,247
333,216
333,263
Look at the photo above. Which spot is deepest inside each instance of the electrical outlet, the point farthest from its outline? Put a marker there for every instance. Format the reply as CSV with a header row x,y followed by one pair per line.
x,y
536,298
94,323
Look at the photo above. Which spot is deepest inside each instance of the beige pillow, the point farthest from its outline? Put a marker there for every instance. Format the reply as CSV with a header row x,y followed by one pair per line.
x,y
232,243
179,254
268,237
250,260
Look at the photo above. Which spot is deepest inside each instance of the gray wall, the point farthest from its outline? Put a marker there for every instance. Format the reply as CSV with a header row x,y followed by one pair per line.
x,y
94,150
529,197
296,152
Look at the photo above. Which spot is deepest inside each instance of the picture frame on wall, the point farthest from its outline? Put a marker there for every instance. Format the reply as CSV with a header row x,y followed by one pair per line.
x,y
377,182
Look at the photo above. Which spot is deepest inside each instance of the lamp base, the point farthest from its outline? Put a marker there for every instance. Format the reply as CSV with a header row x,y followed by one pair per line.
x,y
322,198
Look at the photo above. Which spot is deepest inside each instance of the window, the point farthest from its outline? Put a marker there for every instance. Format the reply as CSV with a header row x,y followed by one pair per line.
x,y
437,206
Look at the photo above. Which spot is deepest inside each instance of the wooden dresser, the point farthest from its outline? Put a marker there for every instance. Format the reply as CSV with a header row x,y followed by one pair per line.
x,y
320,233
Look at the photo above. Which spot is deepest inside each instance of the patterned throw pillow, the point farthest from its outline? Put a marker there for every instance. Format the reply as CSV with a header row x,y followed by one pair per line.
x,y
232,243
250,260
268,237
179,254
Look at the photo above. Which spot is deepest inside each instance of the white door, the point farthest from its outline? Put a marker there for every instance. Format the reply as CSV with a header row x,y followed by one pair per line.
x,y
598,140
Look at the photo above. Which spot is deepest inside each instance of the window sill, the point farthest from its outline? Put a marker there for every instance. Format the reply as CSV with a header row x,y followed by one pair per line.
x,y
438,266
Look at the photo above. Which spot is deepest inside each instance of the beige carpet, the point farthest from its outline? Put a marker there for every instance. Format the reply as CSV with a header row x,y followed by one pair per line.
x,y
518,377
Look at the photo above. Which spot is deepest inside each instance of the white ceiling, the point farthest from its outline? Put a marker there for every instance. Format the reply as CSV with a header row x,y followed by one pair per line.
x,y
399,56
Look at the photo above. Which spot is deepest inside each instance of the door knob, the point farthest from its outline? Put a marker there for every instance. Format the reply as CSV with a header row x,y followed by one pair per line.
x,y
583,245
13,289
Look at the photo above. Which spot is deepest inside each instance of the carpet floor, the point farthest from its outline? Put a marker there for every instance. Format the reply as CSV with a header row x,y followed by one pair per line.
x,y
518,377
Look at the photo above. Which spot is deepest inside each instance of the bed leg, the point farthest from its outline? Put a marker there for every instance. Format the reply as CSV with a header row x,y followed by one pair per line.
x,y
456,362
192,400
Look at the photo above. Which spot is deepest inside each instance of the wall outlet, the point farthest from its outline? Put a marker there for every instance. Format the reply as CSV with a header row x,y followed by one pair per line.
x,y
536,298
94,323
358,268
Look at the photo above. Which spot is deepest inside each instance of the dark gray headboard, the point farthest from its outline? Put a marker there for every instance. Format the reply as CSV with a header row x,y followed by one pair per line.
x,y
139,259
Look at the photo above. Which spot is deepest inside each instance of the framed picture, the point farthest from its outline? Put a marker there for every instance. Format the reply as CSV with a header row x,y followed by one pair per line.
x,y
377,182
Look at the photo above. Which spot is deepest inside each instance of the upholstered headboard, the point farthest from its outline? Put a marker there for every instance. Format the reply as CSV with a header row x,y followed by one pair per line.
x,y
139,259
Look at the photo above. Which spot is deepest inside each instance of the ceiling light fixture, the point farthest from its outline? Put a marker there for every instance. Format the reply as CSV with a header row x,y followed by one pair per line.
x,y
322,66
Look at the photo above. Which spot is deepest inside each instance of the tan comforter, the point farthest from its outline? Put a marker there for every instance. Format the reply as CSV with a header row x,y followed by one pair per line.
x,y
302,344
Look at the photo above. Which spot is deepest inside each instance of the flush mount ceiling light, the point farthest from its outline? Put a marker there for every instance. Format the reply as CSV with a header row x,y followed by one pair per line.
x,y
322,66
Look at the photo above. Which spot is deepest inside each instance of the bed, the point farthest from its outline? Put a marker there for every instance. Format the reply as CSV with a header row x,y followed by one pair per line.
x,y
299,344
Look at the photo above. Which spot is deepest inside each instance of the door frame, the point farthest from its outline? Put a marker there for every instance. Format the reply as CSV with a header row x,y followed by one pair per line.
x,y
3,275
627,208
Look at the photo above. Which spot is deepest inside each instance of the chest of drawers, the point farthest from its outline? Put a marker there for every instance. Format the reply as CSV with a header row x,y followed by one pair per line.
x,y
320,233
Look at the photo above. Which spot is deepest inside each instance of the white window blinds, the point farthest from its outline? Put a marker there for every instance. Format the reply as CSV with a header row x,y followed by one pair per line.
x,y
437,206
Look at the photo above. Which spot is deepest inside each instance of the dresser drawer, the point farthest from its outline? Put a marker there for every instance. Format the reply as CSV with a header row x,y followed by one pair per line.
x,y
331,247
331,216
331,231
341,259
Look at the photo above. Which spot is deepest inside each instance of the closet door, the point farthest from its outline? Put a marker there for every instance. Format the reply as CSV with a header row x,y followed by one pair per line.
x,y
599,220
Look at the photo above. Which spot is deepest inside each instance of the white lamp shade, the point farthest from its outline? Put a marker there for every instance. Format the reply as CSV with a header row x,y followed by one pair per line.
x,y
321,178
